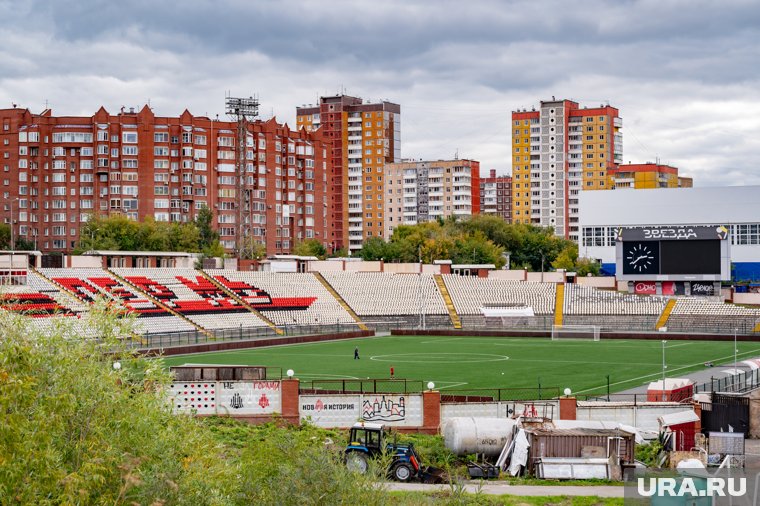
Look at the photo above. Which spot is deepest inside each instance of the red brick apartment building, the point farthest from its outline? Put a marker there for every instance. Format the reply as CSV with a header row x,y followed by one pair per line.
x,y
58,170
496,196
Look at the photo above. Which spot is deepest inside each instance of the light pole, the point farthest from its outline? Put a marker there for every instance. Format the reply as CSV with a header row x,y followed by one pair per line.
x,y
735,350
663,369
542,266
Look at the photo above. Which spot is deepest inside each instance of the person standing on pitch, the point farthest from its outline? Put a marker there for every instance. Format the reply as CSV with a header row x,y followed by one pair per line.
x,y
356,353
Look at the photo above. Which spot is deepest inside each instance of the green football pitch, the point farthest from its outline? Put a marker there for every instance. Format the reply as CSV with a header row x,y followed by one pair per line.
x,y
465,363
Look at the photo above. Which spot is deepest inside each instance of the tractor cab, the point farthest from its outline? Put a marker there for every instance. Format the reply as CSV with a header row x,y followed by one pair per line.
x,y
367,440
367,437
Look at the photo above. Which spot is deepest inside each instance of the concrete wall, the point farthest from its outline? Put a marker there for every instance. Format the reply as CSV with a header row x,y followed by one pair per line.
x,y
597,281
426,268
644,416
404,268
325,265
374,266
747,298
546,277
185,263
86,261
509,275
503,409
8,261
754,414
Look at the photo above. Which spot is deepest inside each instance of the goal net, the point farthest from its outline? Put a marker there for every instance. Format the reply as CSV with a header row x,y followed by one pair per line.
x,y
589,332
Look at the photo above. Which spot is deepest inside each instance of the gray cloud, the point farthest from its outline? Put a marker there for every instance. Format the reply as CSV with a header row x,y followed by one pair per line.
x,y
682,72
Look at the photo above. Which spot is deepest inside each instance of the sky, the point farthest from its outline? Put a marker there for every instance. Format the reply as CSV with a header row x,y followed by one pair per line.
x,y
684,74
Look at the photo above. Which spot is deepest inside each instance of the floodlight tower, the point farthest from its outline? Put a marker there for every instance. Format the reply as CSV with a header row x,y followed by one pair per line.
x,y
242,110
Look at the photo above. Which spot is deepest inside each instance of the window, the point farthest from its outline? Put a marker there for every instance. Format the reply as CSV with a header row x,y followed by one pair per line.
x,y
161,137
129,150
129,137
71,137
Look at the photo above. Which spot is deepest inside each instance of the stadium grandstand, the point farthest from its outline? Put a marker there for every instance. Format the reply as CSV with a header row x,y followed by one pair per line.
x,y
229,303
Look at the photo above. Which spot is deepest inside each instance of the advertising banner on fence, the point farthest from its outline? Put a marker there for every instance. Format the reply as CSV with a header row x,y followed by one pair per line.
x,y
227,397
345,410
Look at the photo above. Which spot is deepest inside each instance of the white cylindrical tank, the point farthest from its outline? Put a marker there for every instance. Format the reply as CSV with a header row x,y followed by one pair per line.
x,y
466,435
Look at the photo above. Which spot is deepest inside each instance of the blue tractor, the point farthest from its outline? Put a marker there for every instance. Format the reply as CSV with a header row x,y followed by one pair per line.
x,y
367,440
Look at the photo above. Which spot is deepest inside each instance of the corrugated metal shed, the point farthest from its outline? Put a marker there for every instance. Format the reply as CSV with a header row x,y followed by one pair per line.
x,y
572,442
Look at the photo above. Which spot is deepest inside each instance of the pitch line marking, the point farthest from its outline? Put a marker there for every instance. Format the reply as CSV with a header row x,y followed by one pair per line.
x,y
660,373
328,376
442,340
452,385
439,358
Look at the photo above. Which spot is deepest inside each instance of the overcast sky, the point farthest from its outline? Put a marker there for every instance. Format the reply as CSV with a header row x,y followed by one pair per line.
x,y
685,74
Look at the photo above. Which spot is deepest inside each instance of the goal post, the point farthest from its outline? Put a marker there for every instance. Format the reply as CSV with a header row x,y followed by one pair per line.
x,y
587,332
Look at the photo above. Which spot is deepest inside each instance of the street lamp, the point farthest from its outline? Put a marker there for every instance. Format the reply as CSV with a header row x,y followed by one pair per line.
x,y
735,350
542,266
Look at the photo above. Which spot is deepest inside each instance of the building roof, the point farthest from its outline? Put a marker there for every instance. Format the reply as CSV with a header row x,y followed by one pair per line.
x,y
678,418
579,431
672,206
117,253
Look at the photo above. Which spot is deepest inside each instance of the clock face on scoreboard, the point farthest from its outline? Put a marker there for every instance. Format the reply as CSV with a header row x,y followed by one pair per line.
x,y
641,257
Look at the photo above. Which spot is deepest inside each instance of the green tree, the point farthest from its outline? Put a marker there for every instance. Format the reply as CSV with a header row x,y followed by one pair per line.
x,y
339,253
310,248
252,250
5,236
567,258
586,266
204,223
374,248
109,435
77,430
477,249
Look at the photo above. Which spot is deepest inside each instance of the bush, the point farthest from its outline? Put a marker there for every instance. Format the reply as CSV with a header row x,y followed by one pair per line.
x,y
75,430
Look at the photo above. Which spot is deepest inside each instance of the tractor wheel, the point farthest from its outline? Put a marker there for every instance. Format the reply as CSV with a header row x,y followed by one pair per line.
x,y
357,462
402,472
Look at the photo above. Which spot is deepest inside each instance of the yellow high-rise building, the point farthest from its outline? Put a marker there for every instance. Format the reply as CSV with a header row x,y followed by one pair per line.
x,y
642,176
557,151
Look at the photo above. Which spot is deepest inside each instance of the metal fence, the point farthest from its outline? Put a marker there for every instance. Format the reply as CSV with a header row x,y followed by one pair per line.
x,y
625,398
368,386
499,394
742,382
181,338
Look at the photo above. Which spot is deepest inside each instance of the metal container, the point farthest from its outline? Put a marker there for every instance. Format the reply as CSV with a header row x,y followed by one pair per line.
x,y
570,443
467,435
